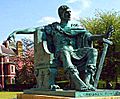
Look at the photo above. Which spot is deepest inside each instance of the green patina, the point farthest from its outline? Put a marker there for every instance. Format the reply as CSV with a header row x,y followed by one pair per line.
x,y
69,45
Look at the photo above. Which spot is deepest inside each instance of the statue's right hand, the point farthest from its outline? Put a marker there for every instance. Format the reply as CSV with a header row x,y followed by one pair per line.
x,y
12,35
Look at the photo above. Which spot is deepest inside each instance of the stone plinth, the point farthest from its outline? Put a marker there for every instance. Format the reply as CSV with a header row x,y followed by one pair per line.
x,y
28,96
71,94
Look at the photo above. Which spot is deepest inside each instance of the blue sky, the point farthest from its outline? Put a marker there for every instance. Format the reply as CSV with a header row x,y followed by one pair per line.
x,y
21,14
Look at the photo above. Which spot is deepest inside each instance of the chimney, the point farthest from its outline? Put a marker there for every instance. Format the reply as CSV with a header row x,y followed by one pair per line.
x,y
6,44
19,48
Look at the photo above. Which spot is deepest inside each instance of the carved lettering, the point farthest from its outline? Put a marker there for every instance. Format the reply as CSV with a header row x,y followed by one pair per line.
x,y
74,25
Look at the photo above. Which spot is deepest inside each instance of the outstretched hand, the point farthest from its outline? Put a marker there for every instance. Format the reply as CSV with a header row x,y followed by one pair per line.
x,y
108,35
11,36
109,31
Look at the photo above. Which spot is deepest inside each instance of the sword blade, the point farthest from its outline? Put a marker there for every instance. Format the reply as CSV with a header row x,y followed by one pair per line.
x,y
100,66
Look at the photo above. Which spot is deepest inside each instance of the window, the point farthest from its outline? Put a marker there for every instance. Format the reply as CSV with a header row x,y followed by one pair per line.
x,y
12,80
12,69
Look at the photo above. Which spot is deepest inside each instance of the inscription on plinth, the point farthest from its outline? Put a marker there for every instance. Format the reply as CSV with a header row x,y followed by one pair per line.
x,y
75,94
98,93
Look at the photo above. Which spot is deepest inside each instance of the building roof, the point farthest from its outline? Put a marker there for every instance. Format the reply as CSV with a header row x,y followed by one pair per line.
x,y
6,51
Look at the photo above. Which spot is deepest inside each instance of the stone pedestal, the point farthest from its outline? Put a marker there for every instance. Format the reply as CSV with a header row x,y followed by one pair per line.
x,y
70,94
43,75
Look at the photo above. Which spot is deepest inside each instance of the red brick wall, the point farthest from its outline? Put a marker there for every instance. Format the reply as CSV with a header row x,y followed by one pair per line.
x,y
6,73
1,72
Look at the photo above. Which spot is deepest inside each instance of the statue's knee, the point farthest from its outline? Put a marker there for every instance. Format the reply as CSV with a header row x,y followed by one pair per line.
x,y
65,55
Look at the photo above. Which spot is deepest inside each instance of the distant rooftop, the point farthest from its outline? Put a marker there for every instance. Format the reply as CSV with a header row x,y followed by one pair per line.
x,y
6,51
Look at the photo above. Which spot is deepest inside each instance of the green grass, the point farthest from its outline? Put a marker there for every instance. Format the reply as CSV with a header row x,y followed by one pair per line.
x,y
9,95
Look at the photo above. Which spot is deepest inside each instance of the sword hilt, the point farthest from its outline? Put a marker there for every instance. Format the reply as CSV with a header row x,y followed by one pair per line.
x,y
107,41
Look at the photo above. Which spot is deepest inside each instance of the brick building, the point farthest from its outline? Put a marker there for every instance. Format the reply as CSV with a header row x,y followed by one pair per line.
x,y
7,68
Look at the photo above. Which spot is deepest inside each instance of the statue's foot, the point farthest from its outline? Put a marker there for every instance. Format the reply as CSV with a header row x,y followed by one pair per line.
x,y
82,88
89,88
54,87
92,88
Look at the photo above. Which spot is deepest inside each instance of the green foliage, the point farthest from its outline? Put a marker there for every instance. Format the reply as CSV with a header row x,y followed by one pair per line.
x,y
25,64
9,95
99,25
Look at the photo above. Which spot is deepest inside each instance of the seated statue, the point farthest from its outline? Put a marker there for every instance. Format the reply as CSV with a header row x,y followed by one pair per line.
x,y
72,47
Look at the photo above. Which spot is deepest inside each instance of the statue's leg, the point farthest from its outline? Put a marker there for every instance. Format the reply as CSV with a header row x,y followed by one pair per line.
x,y
72,70
79,84
91,66
52,74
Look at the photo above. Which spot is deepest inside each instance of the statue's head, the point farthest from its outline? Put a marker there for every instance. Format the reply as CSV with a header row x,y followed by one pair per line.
x,y
64,12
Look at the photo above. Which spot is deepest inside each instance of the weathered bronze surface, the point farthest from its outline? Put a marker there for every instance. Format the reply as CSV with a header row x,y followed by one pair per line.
x,y
67,44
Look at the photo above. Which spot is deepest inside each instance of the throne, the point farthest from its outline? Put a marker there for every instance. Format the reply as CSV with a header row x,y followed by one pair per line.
x,y
46,73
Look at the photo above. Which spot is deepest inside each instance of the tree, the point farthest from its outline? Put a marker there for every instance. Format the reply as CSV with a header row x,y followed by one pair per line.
x,y
99,25
25,64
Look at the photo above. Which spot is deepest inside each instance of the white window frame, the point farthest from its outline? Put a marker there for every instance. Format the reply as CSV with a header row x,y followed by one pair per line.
x,y
12,68
12,80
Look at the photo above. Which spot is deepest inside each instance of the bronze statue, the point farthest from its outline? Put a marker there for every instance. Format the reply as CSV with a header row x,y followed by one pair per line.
x,y
72,46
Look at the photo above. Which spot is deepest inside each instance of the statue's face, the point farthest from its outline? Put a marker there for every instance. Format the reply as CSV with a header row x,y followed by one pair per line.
x,y
66,14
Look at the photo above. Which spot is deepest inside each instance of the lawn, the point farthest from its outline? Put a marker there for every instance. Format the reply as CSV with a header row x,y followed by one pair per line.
x,y
9,95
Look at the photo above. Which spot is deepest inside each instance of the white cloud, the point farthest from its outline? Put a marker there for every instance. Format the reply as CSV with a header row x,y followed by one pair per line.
x,y
71,1
22,36
86,3
78,6
47,20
